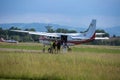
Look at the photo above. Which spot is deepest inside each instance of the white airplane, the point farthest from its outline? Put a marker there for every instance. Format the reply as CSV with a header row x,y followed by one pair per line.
x,y
8,41
69,38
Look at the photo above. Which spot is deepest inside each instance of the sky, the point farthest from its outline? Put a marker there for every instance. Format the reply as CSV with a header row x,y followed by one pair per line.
x,y
77,13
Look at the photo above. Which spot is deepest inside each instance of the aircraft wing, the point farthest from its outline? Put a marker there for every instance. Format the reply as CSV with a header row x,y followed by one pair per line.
x,y
38,33
99,33
20,31
101,38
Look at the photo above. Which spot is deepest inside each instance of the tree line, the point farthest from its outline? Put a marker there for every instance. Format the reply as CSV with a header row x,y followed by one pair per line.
x,y
21,37
25,37
59,30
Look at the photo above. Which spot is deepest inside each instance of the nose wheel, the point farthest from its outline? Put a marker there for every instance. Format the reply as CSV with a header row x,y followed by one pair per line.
x,y
50,50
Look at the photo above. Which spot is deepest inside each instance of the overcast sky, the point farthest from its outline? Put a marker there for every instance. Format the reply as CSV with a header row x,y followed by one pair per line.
x,y
64,12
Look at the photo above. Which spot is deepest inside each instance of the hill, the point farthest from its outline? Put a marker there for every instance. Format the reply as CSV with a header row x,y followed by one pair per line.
x,y
41,27
113,30
37,26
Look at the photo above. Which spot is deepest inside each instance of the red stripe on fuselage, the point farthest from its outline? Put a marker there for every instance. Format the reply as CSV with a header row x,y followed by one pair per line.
x,y
85,41
73,42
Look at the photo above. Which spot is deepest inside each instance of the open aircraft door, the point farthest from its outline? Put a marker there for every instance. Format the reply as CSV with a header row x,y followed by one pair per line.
x,y
64,38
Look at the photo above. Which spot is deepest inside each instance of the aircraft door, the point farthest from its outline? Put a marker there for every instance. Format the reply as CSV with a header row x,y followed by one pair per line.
x,y
64,38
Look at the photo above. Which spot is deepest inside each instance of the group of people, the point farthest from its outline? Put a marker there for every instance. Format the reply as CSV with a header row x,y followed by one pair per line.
x,y
56,46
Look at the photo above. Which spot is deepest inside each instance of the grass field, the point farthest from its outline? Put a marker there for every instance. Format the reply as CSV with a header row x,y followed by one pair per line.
x,y
85,62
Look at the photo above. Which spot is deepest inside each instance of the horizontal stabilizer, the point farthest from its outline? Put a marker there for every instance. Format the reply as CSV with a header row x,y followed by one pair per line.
x,y
101,38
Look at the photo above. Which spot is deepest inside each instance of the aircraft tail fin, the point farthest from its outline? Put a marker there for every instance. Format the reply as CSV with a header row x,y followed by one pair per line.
x,y
90,32
2,39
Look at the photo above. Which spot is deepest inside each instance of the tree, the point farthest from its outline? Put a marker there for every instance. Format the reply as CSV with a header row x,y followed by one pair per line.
x,y
72,31
31,29
61,30
15,37
49,29
114,35
102,31
14,28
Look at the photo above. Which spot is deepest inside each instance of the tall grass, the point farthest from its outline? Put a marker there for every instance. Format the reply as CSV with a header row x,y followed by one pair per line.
x,y
96,50
76,65
81,48
28,46
67,66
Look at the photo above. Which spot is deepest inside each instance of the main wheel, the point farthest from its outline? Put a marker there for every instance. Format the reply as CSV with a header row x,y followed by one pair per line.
x,y
50,50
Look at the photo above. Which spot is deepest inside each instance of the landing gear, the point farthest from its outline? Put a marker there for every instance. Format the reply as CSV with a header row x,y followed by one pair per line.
x,y
50,50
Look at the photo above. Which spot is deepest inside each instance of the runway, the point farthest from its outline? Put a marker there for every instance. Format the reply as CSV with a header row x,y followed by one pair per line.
x,y
20,50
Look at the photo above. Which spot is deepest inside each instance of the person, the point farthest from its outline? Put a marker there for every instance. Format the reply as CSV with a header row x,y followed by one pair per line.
x,y
50,49
54,46
65,47
58,46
